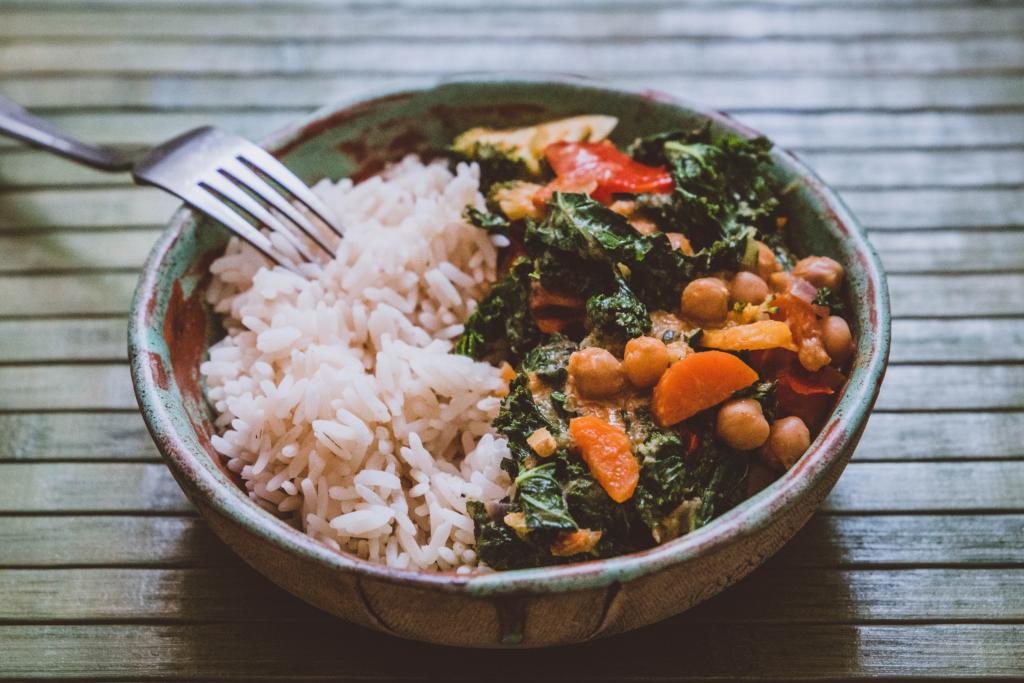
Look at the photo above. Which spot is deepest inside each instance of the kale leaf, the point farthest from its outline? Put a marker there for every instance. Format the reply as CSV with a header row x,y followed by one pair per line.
x,y
549,361
539,493
497,165
498,546
520,416
576,224
493,223
502,320
618,316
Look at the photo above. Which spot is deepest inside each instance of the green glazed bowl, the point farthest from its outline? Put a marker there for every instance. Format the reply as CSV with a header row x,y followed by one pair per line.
x,y
171,329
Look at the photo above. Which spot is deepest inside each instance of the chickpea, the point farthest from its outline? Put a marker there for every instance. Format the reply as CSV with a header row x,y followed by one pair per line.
x,y
788,439
645,359
678,241
706,299
766,261
838,339
749,288
780,281
741,424
596,373
820,271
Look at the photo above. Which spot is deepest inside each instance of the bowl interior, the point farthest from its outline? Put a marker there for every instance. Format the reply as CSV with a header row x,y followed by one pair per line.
x,y
172,327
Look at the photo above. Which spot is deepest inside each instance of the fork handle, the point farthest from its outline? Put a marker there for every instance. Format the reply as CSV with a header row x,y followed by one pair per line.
x,y
17,123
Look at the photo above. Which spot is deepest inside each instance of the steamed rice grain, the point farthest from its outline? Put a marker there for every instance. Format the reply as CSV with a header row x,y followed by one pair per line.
x,y
339,401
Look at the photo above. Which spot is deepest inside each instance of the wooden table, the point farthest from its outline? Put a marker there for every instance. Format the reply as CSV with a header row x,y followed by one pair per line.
x,y
913,109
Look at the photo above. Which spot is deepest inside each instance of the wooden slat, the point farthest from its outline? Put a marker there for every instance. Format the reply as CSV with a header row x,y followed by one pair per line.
x,y
801,131
95,207
987,486
828,541
69,436
914,540
89,487
912,295
935,208
725,91
639,56
252,650
928,487
949,168
75,250
771,595
110,540
956,295
62,340
390,22
906,388
66,387
950,250
912,436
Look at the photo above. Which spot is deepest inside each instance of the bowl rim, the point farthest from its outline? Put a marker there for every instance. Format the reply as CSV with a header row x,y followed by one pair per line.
x,y
748,518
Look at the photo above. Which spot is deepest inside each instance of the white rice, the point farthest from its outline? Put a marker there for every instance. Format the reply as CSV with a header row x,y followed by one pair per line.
x,y
339,401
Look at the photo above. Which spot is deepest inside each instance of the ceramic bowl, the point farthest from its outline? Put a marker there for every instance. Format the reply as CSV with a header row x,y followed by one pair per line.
x,y
171,329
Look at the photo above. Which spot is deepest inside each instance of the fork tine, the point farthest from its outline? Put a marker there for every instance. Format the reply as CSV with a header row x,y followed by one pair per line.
x,y
228,189
215,208
265,162
247,178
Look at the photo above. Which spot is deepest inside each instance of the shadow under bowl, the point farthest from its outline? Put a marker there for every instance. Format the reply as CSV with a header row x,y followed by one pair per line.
x,y
171,329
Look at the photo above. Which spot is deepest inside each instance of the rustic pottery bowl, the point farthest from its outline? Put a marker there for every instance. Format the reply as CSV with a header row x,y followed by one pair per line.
x,y
171,329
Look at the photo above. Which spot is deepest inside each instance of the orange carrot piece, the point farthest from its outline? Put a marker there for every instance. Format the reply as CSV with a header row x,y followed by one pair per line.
x,y
609,455
763,334
696,383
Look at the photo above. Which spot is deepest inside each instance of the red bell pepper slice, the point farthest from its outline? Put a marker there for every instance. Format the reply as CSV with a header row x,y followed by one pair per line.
x,y
601,165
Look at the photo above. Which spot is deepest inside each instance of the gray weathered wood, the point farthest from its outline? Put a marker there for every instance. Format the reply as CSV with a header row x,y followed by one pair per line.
x,y
250,650
936,208
611,22
913,487
89,487
639,56
950,250
923,436
725,91
75,436
88,339
74,250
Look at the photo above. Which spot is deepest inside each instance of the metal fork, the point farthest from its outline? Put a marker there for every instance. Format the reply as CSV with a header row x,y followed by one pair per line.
x,y
220,174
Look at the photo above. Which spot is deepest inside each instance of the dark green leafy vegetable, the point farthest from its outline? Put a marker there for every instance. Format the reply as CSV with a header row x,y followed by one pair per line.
x,y
503,320
496,164
549,360
618,316
827,297
576,224
497,544
520,416
493,223
540,494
